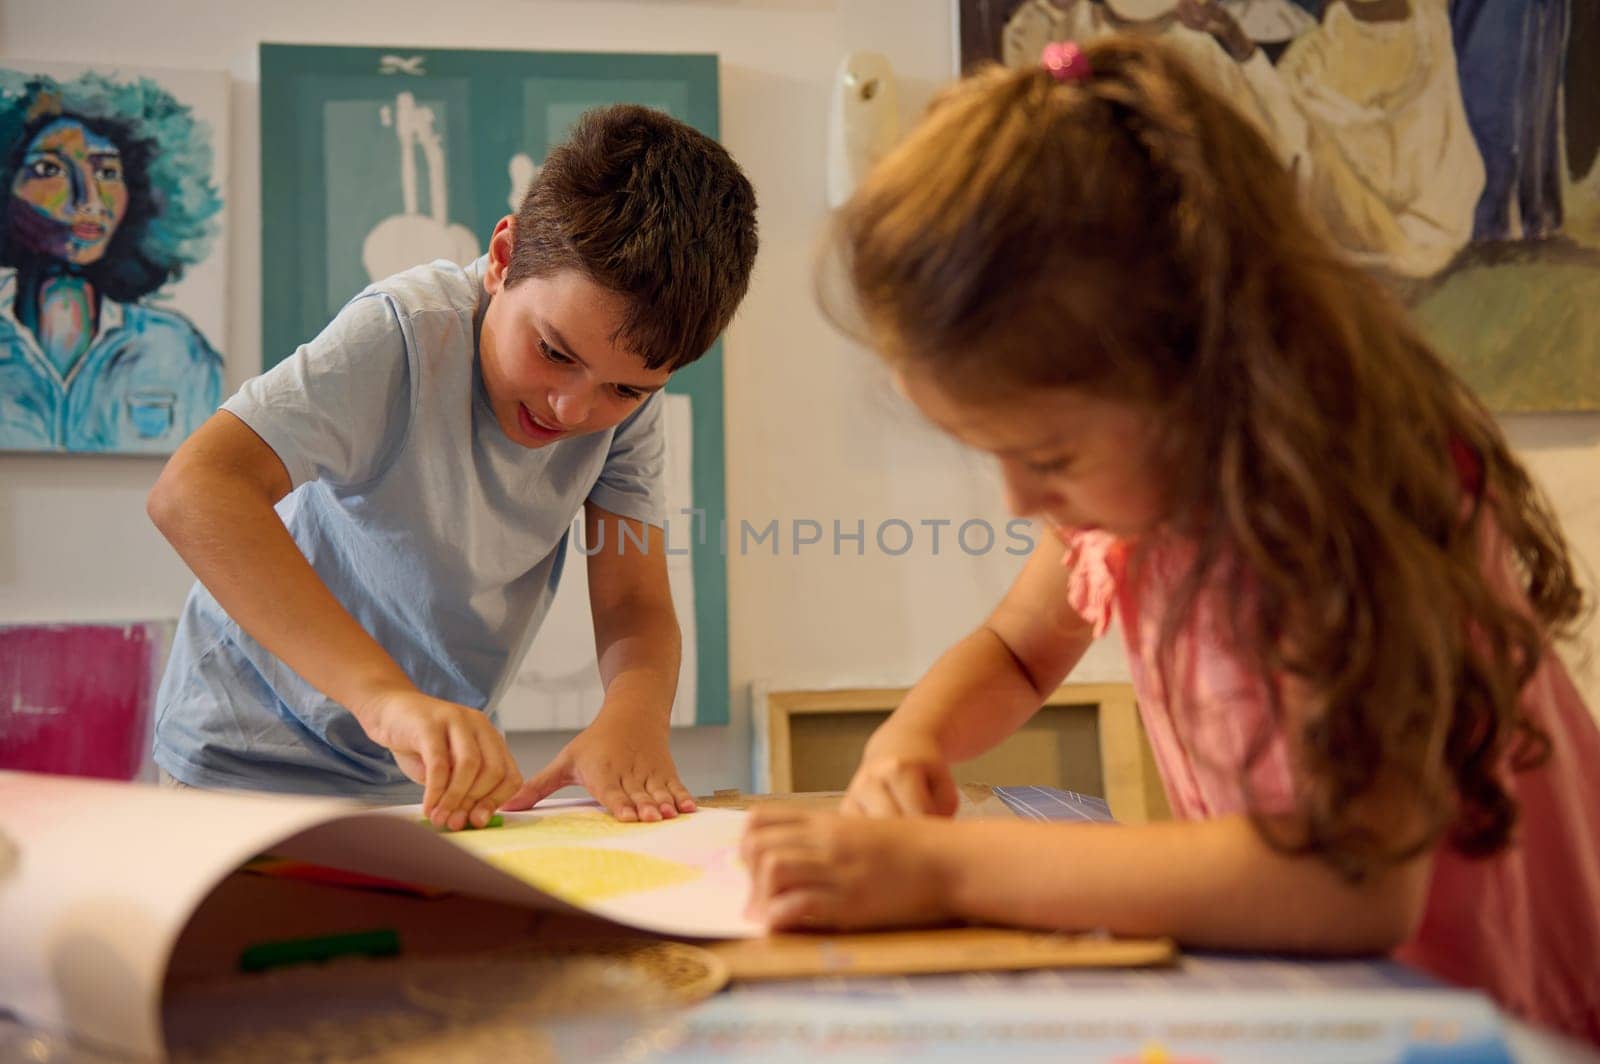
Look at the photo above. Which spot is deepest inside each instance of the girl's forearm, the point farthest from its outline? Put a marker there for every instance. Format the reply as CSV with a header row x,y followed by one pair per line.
x,y
1210,884
975,695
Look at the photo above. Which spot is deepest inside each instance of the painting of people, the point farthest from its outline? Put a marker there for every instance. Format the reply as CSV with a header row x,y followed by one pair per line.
x,y
110,196
1448,146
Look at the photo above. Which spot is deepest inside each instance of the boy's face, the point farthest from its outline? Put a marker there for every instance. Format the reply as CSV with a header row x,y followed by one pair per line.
x,y
551,355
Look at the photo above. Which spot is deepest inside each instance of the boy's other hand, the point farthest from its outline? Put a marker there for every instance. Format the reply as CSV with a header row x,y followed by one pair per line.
x,y
905,777
621,760
461,760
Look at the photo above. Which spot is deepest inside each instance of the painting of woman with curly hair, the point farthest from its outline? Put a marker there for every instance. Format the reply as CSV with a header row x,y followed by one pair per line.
x,y
106,198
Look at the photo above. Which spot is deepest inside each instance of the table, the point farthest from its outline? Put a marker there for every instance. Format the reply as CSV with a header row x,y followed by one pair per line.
x,y
880,1010
1208,977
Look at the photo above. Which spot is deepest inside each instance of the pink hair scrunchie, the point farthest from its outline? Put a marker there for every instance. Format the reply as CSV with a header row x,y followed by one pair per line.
x,y
1066,61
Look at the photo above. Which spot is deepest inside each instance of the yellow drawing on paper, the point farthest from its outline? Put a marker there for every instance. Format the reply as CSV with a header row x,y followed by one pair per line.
x,y
583,875
556,828
585,824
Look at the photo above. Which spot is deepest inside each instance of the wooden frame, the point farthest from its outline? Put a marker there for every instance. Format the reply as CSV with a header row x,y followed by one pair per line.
x,y
1126,770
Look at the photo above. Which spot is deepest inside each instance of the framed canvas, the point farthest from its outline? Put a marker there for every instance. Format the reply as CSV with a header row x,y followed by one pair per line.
x,y
1448,147
113,259
77,699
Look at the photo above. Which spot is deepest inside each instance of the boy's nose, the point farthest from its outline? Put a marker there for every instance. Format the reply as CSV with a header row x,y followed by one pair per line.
x,y
572,408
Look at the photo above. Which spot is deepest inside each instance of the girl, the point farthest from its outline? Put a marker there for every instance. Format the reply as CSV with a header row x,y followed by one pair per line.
x,y
1336,585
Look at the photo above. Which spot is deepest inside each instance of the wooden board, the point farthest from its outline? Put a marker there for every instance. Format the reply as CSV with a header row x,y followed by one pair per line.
x,y
922,952
977,799
816,801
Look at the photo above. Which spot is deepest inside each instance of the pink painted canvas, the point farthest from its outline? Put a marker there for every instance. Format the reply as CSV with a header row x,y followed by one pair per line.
x,y
75,699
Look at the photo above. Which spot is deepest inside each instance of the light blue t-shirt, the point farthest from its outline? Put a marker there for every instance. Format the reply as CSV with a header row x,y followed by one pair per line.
x,y
443,537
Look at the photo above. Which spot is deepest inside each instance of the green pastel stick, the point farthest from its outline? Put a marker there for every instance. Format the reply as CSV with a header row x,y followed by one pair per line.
x,y
494,821
382,942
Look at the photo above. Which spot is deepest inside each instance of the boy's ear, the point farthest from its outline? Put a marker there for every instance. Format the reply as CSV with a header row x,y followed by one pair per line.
x,y
501,244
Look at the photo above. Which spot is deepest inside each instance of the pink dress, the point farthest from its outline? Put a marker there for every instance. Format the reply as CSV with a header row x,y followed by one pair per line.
x,y
1523,925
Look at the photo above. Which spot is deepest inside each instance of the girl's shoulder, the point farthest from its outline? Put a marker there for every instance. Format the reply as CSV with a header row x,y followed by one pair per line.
x,y
1097,562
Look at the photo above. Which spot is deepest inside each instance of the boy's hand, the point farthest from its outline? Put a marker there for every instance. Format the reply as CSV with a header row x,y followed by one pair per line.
x,y
811,871
624,762
461,759
901,776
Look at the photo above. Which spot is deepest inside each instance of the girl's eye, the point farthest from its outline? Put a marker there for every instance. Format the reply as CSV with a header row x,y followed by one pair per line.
x,y
1046,468
108,173
552,355
44,168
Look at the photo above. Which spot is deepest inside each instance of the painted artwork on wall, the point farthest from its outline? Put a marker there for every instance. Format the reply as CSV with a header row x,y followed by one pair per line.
x,y
1449,147
374,160
75,699
112,257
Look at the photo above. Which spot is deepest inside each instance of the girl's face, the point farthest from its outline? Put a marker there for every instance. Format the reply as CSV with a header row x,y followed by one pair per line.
x,y
69,194
1074,460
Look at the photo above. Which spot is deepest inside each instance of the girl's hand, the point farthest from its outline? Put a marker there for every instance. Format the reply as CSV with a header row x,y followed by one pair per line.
x,y
901,777
460,759
811,871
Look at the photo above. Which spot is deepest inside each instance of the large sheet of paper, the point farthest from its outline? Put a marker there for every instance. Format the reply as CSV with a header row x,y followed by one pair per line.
x,y
97,880
677,877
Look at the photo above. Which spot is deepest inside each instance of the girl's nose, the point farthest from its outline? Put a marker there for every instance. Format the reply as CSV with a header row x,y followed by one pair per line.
x,y
1025,497
85,191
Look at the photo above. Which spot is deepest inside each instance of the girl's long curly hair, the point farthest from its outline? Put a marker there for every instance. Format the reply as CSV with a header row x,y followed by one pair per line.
x,y
1132,236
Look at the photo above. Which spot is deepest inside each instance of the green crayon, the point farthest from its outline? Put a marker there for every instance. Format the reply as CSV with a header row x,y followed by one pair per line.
x,y
383,942
495,821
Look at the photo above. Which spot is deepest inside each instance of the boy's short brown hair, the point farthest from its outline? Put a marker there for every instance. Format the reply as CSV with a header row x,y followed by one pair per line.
x,y
652,209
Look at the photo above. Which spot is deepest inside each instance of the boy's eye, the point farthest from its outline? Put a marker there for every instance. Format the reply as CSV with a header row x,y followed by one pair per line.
x,y
628,394
552,355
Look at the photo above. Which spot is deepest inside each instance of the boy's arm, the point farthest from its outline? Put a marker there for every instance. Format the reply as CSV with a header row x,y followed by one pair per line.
x,y
623,757
980,691
214,502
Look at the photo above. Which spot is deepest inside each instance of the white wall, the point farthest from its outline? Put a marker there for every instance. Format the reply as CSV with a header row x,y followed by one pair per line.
x,y
812,430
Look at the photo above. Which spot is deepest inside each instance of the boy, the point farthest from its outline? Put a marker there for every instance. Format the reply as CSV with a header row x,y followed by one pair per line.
x,y
378,524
